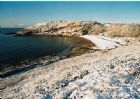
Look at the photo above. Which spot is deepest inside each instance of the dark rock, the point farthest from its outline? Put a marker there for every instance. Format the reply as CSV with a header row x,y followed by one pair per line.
x,y
111,66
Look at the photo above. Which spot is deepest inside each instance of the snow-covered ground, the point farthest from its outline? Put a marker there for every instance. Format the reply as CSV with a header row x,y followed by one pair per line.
x,y
105,43
112,74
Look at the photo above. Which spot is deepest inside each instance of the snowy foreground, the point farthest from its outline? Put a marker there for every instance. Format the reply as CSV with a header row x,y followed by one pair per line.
x,y
105,43
112,74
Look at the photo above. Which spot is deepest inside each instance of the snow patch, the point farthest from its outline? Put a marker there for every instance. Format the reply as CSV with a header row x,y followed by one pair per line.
x,y
103,42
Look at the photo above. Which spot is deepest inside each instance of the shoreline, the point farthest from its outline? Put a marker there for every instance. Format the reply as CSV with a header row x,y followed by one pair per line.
x,y
113,73
42,61
97,66
75,50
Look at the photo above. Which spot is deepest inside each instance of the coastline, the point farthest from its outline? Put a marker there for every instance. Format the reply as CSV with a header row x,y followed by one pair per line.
x,y
97,66
80,46
113,73
70,50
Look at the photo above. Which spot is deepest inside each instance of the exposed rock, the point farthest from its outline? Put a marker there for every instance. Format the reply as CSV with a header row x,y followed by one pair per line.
x,y
78,28
65,28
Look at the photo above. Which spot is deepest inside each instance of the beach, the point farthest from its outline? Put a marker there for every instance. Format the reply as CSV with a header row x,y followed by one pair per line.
x,y
70,50
110,74
102,62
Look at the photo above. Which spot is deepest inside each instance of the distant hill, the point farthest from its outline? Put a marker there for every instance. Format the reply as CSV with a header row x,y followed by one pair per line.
x,y
78,28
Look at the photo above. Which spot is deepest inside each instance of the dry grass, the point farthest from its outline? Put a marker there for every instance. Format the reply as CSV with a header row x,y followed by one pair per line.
x,y
96,29
123,30
81,46
82,28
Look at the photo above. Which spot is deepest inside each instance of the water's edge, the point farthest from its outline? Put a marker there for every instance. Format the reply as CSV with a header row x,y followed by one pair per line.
x,y
79,47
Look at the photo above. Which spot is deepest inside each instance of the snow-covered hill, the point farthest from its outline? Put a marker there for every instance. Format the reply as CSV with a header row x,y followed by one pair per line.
x,y
78,28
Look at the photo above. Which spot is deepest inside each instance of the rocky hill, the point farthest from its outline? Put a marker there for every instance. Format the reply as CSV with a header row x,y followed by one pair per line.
x,y
111,71
78,28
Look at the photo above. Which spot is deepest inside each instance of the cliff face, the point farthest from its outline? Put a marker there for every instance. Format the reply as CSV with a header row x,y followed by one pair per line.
x,y
78,28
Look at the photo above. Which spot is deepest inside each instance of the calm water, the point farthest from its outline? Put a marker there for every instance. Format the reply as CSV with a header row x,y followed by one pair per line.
x,y
14,49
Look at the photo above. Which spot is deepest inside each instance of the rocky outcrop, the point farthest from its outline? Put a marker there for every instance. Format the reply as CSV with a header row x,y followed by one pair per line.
x,y
78,28
64,28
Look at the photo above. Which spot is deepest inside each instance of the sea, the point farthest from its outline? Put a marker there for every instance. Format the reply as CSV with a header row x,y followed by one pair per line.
x,y
15,49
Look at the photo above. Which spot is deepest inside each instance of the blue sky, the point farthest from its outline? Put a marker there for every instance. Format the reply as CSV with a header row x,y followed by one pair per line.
x,y
20,14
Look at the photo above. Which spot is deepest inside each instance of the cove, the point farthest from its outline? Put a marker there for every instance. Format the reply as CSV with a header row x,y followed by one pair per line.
x,y
14,49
